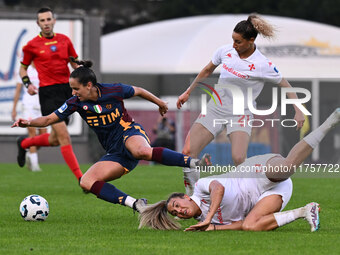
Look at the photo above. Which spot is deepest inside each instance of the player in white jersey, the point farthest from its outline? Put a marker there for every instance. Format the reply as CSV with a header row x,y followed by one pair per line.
x,y
243,66
251,203
30,110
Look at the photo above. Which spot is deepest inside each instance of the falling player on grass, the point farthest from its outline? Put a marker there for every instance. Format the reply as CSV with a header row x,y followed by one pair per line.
x,y
251,202
102,108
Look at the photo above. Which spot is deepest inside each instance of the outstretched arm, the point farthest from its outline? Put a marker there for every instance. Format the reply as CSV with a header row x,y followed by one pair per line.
x,y
237,225
216,190
299,116
206,72
143,93
43,121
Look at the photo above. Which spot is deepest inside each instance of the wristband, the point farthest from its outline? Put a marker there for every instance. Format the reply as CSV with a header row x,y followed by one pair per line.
x,y
26,81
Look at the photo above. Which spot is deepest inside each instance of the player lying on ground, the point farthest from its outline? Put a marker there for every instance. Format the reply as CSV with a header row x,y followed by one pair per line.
x,y
102,107
255,203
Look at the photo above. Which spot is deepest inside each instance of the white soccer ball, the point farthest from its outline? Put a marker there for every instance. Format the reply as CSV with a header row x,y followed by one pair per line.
x,y
34,208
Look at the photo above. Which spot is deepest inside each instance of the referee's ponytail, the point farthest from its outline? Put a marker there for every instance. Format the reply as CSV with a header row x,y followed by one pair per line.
x,y
83,73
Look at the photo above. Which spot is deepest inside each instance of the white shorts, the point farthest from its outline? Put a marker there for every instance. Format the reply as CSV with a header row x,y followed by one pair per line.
x,y
31,112
284,189
264,185
215,123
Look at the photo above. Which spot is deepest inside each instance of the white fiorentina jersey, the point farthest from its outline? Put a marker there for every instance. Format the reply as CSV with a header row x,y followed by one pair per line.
x,y
252,72
27,99
241,193
239,198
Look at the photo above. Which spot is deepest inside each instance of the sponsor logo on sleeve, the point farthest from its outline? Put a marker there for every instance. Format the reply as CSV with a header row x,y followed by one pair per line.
x,y
62,108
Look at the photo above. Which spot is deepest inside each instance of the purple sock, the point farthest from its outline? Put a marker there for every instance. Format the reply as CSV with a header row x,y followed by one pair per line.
x,y
108,192
169,157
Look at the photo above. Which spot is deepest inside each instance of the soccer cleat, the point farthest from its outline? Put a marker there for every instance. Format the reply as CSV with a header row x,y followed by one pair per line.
x,y
204,161
21,158
139,204
334,118
312,216
36,168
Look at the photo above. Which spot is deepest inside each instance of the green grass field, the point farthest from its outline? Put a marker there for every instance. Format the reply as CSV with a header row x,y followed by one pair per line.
x,y
83,224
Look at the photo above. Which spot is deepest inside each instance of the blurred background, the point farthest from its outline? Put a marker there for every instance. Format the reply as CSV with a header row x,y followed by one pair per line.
x,y
161,45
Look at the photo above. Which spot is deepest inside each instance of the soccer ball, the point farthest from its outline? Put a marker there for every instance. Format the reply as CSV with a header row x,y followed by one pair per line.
x,y
34,208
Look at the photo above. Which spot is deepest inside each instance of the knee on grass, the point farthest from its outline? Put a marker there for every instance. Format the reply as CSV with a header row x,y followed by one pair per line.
x,y
251,227
85,184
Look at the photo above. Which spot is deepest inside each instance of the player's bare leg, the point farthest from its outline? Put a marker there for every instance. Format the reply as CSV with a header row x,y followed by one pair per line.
x,y
266,215
302,149
239,146
261,217
140,149
96,178
101,171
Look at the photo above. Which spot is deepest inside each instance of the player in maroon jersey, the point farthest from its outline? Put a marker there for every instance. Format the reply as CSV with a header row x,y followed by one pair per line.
x,y
51,53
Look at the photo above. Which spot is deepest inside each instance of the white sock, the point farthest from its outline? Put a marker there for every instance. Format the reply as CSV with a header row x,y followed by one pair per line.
x,y
190,176
129,201
34,159
283,218
315,137
186,170
193,162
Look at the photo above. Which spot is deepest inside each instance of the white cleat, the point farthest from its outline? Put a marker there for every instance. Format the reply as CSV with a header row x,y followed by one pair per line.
x,y
312,216
140,204
204,161
334,118
36,168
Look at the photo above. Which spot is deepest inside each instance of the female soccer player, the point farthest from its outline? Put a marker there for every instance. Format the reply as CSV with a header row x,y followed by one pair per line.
x,y
30,110
102,107
254,203
244,66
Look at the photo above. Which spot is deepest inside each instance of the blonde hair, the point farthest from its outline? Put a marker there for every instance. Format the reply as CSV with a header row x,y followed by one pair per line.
x,y
254,25
156,215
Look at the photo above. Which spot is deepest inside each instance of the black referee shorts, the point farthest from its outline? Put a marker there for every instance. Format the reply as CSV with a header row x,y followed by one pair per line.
x,y
53,96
